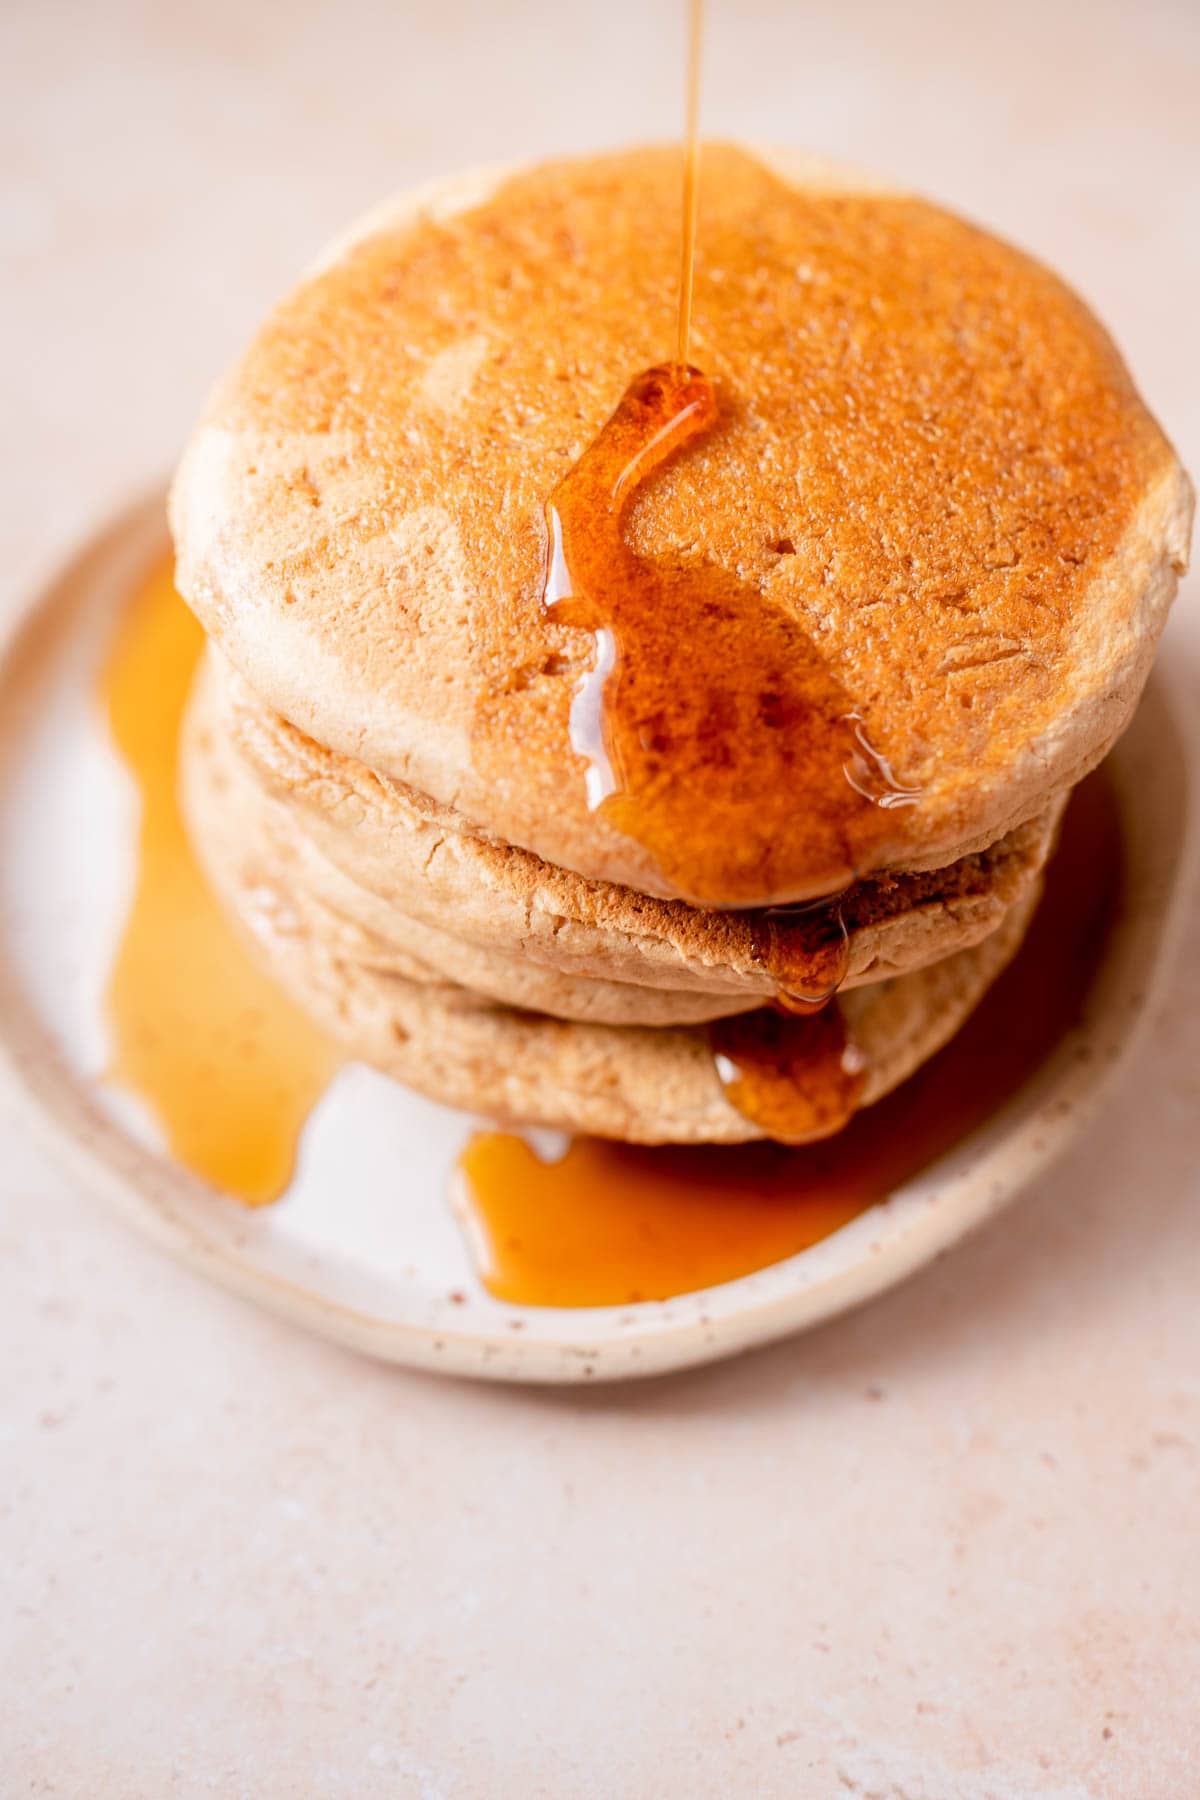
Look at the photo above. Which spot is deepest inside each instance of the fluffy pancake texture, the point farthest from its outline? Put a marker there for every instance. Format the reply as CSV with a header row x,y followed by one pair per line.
x,y
929,453
928,461
414,883
638,1083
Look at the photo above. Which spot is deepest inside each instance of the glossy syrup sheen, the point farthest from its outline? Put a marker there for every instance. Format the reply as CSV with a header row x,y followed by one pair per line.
x,y
886,468
609,1224
758,759
229,1068
705,771
799,1078
691,184
667,758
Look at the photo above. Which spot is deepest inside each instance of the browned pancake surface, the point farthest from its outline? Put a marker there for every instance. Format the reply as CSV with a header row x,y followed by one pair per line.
x,y
929,452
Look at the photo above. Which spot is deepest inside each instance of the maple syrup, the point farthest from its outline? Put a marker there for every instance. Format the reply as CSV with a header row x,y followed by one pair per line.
x,y
752,769
798,1078
757,753
667,759
229,1068
806,949
701,767
705,772
691,184
610,1224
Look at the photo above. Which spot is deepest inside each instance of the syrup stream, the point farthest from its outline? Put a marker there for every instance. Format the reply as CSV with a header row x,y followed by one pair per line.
x,y
691,183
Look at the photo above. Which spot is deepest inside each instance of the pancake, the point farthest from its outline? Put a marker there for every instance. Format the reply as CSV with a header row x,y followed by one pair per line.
x,y
636,1083
420,893
929,456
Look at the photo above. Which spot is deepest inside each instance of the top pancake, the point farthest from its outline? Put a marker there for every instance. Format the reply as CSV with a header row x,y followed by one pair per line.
x,y
929,454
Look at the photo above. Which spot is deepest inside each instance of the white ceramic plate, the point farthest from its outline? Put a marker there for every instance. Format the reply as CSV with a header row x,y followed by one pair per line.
x,y
364,1247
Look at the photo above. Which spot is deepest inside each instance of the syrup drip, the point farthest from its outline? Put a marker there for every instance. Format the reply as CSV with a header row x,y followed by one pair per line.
x,y
229,1068
794,1070
707,710
610,1224
798,1079
806,950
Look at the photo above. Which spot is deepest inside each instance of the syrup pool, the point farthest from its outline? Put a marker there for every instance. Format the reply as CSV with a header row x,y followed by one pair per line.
x,y
611,1224
227,1065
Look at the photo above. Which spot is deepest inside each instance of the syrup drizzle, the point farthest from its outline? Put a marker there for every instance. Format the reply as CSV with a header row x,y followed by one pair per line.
x,y
691,183
701,758
705,713
707,710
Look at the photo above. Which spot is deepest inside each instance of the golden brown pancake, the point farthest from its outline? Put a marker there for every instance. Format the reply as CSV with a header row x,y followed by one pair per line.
x,y
642,1084
409,887
929,455
918,496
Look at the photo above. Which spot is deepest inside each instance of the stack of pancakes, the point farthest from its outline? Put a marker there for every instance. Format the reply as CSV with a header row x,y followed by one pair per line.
x,y
928,454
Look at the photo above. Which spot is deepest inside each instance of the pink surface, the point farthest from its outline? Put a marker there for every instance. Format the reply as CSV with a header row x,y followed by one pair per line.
x,y
945,1548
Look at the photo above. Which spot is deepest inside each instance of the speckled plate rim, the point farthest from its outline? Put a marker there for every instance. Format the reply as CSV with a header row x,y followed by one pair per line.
x,y
1154,777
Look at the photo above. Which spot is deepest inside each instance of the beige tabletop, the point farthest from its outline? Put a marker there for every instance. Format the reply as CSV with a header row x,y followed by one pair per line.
x,y
945,1549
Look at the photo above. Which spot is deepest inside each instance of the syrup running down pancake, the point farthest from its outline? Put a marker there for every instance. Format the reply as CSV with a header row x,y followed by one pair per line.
x,y
929,462
848,607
